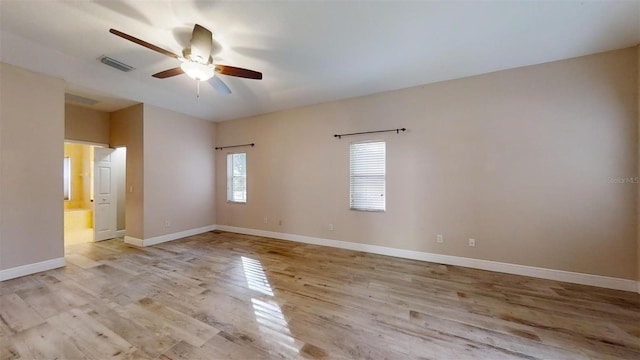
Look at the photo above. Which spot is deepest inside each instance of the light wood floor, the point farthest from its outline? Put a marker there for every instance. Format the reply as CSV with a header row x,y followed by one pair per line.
x,y
224,295
78,236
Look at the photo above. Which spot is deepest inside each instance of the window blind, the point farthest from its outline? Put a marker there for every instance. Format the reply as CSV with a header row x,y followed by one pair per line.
x,y
367,176
237,177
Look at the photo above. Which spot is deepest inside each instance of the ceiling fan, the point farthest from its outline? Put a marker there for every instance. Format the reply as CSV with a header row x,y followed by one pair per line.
x,y
196,60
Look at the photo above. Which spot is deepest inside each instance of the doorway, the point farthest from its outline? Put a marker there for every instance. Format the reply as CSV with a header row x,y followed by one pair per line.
x,y
93,192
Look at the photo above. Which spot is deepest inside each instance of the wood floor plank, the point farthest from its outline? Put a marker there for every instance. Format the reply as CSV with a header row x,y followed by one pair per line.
x,y
152,344
516,342
16,314
156,315
220,295
51,300
81,261
216,348
40,342
91,337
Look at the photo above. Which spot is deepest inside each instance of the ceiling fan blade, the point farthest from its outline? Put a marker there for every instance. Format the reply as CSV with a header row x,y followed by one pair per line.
x,y
239,72
219,85
168,73
143,43
201,44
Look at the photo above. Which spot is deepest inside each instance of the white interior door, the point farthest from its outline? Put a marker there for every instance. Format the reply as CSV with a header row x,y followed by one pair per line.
x,y
104,193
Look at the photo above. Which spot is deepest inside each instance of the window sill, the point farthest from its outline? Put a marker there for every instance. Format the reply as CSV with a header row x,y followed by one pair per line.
x,y
368,210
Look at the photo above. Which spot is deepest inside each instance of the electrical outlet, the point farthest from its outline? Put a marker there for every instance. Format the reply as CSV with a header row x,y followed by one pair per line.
x,y
266,220
439,238
280,222
167,224
472,242
330,227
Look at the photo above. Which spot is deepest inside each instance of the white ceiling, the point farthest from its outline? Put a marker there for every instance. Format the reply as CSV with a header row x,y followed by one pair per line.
x,y
309,52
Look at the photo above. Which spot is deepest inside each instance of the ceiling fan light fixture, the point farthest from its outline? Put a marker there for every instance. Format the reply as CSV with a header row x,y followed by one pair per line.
x,y
197,71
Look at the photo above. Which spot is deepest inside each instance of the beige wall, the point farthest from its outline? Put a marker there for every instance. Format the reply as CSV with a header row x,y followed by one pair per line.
x,y
520,160
127,130
82,124
638,207
178,172
31,153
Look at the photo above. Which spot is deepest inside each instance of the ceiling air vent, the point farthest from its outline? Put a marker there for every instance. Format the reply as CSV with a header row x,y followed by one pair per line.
x,y
77,99
115,63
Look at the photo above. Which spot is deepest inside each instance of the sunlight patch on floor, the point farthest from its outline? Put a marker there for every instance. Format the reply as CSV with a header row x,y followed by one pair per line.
x,y
269,317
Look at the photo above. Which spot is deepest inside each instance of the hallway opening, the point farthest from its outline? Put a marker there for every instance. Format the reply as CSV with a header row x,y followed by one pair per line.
x,y
79,169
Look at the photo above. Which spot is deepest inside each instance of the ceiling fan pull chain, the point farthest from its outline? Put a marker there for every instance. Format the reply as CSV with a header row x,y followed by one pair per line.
x,y
197,89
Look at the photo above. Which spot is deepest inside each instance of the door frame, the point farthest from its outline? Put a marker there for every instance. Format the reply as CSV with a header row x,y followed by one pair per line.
x,y
88,143
119,233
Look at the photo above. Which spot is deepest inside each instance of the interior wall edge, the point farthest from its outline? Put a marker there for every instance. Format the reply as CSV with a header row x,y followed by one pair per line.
x,y
515,269
133,241
638,173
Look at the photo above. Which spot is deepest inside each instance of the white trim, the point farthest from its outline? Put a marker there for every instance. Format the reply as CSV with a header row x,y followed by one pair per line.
x,y
133,241
120,233
168,237
543,273
82,142
29,269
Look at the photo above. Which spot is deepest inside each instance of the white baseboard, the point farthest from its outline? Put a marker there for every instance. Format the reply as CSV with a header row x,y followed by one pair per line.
x,y
168,237
29,269
543,273
120,233
133,241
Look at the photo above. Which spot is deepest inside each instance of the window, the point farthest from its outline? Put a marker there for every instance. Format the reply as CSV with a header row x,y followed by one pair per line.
x,y
237,177
367,176
66,177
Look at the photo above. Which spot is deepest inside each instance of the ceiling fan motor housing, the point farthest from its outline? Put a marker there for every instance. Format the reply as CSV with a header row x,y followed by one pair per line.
x,y
186,53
